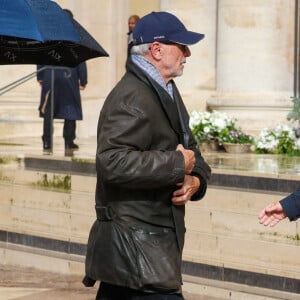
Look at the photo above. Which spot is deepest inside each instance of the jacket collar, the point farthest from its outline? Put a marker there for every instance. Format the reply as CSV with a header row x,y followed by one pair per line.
x,y
144,64
166,101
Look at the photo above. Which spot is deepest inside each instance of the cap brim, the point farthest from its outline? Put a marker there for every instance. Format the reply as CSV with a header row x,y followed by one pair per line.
x,y
186,37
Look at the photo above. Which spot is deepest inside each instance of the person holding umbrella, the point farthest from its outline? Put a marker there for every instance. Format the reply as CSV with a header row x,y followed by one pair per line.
x,y
68,82
43,34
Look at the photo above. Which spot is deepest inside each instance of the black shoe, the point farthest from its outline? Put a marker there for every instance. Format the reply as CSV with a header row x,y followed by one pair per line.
x,y
71,146
69,152
46,145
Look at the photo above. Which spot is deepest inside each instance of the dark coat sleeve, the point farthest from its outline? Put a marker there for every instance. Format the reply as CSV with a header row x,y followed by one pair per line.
x,y
291,205
135,147
126,164
43,76
201,168
82,73
39,74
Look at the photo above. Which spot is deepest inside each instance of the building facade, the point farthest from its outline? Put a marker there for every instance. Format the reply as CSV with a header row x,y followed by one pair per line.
x,y
246,65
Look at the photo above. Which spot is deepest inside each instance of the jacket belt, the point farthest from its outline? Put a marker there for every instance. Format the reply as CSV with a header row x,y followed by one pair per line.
x,y
104,213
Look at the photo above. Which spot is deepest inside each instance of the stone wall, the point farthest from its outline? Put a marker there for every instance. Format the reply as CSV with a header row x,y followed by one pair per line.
x,y
48,228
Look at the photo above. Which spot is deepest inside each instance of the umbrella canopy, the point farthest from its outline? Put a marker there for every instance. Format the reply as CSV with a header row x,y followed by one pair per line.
x,y
41,32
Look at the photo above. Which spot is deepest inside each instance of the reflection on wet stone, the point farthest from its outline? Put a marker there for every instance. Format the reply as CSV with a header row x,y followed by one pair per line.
x,y
260,163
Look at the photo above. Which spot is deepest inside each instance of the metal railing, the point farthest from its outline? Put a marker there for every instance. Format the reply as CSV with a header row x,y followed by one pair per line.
x,y
24,79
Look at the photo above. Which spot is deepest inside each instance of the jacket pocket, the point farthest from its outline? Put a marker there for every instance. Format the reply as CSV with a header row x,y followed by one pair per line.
x,y
158,258
146,258
111,255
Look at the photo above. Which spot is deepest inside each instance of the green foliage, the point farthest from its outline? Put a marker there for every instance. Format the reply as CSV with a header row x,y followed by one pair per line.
x,y
279,140
10,144
57,182
286,144
294,237
8,160
5,178
217,126
83,160
235,136
295,113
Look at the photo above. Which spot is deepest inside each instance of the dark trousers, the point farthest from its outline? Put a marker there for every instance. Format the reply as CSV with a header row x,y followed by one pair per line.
x,y
113,292
69,129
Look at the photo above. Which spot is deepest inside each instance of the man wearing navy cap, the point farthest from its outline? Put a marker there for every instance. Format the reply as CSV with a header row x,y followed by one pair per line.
x,y
148,168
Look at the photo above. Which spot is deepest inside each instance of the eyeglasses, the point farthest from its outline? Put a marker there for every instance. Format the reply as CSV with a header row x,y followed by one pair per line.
x,y
183,48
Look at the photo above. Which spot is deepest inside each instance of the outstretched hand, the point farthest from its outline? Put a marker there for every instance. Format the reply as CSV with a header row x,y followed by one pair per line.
x,y
271,214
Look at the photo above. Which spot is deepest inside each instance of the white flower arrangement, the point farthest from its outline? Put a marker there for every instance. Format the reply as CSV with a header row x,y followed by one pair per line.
x,y
206,126
221,127
221,121
280,140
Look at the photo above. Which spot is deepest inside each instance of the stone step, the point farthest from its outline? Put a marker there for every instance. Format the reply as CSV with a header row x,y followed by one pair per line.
x,y
224,240
26,128
196,286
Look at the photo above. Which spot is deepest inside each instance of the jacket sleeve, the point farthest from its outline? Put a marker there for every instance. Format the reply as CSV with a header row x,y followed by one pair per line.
x,y
126,155
201,168
291,205
39,74
82,73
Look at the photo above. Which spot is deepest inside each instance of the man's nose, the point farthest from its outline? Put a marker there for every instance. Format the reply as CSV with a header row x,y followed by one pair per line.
x,y
187,51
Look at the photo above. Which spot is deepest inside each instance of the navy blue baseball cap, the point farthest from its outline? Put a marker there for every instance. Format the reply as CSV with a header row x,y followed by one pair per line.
x,y
165,28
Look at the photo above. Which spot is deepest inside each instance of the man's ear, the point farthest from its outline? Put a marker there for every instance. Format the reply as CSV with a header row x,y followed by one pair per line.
x,y
156,50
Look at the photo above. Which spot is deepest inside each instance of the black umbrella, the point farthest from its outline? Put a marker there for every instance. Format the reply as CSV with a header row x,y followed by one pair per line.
x,y
41,32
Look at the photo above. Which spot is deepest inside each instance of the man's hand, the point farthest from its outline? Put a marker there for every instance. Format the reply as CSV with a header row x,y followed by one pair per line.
x,y
189,158
187,189
271,214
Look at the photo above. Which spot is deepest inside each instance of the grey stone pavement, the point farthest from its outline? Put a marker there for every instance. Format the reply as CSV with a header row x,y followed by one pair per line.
x,y
21,283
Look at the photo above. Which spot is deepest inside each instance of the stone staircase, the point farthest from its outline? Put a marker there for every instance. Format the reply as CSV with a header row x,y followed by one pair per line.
x,y
227,253
19,118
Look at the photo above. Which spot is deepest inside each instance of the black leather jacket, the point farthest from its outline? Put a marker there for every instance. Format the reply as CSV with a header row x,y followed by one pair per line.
x,y
138,168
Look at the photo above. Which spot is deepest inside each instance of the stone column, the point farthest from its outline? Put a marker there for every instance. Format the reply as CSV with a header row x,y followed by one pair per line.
x,y
255,48
199,79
